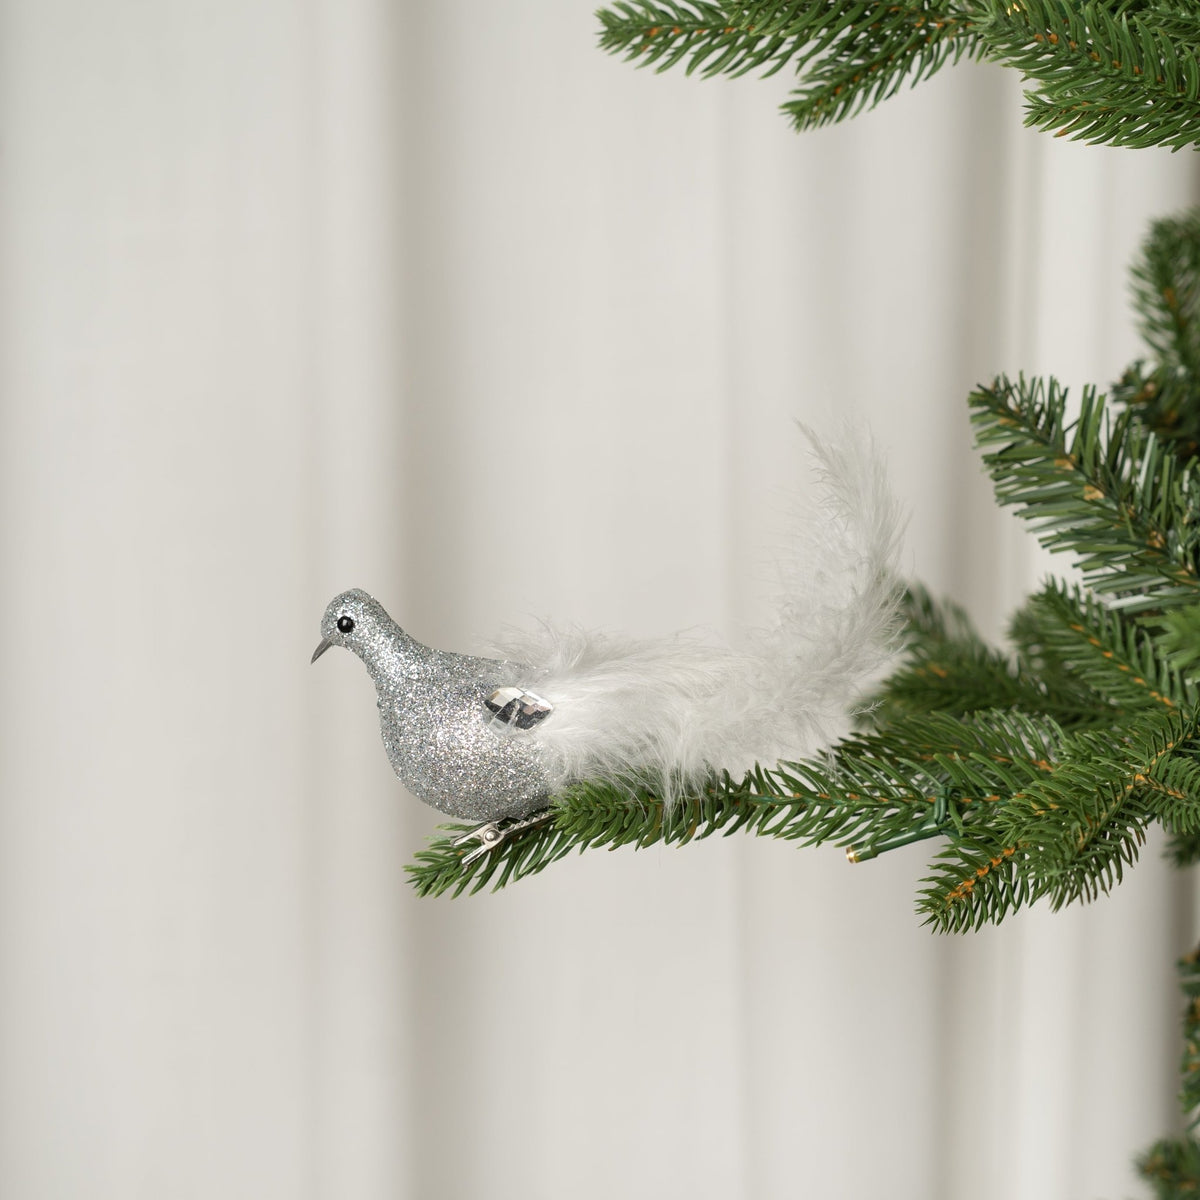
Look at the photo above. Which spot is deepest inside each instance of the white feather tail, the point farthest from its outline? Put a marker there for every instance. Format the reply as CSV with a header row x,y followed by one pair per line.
x,y
671,710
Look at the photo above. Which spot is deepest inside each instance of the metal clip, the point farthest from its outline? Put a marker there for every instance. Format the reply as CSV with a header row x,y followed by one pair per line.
x,y
487,835
493,833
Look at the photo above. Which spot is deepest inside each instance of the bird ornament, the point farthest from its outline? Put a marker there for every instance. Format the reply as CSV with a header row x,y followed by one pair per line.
x,y
493,739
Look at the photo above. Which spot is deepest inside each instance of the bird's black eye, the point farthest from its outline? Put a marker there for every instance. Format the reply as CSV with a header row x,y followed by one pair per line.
x,y
345,624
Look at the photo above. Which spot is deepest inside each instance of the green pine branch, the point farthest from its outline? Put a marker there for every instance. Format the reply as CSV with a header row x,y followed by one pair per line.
x,y
1079,826
1126,75
972,881
1180,642
872,60
1117,659
1183,849
1172,1167
712,38
1100,486
846,56
1043,657
1188,969
1164,395
950,669
1166,292
587,816
1165,401
873,790
1070,832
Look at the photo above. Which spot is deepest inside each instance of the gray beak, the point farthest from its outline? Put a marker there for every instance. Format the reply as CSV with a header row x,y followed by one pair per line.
x,y
325,644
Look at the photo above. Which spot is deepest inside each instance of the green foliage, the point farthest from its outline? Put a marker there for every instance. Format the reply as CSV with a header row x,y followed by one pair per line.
x,y
1101,485
847,56
1166,293
1189,1066
870,789
1070,831
1122,73
1165,395
1068,828
950,669
1180,643
1098,647
586,816
1183,849
1172,1166
1165,402
1076,662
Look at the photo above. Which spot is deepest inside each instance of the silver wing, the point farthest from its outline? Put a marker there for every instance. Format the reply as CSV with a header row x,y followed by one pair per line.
x,y
516,707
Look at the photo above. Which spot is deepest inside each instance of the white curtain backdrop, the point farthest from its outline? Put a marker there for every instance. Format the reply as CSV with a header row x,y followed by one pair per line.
x,y
436,300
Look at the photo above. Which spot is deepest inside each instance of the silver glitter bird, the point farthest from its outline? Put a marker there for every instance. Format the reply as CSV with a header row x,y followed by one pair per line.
x,y
456,728
493,739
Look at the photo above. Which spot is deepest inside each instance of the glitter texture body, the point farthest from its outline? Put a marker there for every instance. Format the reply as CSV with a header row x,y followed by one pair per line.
x,y
442,741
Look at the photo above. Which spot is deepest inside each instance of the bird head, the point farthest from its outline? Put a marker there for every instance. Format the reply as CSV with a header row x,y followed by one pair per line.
x,y
351,620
